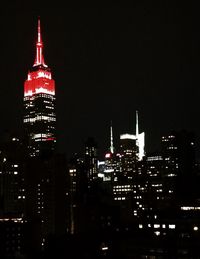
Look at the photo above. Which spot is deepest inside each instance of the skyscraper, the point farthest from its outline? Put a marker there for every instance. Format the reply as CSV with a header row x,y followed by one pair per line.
x,y
12,196
90,159
138,138
39,105
44,169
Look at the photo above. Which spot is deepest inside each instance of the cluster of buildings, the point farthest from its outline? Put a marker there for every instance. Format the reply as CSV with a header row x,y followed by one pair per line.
x,y
133,204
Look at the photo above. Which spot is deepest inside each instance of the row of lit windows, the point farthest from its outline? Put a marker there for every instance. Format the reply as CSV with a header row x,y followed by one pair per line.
x,y
9,172
119,198
49,96
157,185
164,138
29,105
49,107
39,95
28,98
122,186
43,140
40,118
154,158
45,101
41,135
21,197
120,192
171,175
137,197
172,147
156,226
190,208
153,175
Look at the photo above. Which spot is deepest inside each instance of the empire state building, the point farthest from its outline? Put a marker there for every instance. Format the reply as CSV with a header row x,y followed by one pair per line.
x,y
39,105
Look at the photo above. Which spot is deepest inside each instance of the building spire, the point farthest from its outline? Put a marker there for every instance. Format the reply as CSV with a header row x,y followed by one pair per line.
x,y
111,139
39,59
137,126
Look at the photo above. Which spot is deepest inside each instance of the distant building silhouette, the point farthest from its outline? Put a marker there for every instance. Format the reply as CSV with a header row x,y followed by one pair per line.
x,y
12,196
90,159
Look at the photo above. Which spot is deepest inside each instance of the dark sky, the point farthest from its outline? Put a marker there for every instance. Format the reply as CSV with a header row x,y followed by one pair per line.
x,y
107,63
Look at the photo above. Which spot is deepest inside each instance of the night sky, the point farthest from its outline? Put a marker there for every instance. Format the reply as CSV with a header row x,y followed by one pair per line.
x,y
107,63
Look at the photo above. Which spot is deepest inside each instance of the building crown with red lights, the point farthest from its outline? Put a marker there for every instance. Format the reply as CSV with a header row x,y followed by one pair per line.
x,y
39,79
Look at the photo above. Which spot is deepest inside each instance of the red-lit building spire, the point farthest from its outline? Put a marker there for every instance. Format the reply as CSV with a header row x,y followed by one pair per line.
x,y
39,59
39,103
39,79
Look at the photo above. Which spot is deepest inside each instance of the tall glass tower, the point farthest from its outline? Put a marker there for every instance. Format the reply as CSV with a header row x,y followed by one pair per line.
x,y
39,105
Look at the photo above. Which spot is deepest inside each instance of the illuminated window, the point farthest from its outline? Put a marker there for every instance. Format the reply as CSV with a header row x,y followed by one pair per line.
x,y
156,225
172,226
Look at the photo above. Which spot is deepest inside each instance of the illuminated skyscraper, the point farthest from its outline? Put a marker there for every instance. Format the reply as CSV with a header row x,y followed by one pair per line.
x,y
138,139
39,105
44,185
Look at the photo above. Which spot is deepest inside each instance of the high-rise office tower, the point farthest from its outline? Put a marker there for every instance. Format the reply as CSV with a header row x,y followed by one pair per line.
x,y
44,169
178,151
90,159
138,140
39,105
12,196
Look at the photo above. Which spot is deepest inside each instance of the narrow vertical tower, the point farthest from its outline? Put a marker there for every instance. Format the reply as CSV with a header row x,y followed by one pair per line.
x,y
39,105
39,59
140,139
111,139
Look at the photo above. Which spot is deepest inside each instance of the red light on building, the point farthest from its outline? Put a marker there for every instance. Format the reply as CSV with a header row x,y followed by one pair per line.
x,y
50,139
39,79
39,82
108,155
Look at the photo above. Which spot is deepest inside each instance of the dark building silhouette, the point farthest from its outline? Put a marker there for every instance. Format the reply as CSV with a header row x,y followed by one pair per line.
x,y
12,196
90,159
178,151
78,188
46,200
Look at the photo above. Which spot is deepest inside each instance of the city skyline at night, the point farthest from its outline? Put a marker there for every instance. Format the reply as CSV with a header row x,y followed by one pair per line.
x,y
107,63
99,137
